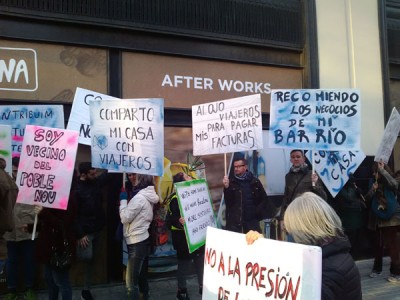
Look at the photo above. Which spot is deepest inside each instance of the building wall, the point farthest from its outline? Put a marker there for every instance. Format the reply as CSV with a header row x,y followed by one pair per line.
x,y
349,52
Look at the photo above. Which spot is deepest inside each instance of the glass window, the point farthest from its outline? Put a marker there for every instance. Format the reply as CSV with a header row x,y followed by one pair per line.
x,y
47,72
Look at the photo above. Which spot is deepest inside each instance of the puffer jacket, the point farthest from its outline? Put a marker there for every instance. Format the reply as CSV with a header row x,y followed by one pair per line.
x,y
340,276
234,201
297,183
23,215
138,214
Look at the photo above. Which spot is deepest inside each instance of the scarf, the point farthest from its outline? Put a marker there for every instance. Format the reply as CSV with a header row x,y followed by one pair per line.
x,y
299,168
245,176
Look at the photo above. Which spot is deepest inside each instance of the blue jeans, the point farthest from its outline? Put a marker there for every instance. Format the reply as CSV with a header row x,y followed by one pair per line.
x,y
58,281
21,252
136,272
89,265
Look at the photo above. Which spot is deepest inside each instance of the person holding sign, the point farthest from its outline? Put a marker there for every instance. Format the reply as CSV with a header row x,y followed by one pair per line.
x,y
298,180
312,221
245,199
384,219
180,244
136,217
57,237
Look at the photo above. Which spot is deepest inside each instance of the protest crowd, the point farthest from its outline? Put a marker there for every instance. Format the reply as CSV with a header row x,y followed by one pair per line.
x,y
53,215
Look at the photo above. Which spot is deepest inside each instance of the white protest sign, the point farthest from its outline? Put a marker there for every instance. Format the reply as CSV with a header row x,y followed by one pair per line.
x,y
227,126
128,135
268,269
5,147
334,167
389,137
196,208
46,166
79,119
315,119
18,116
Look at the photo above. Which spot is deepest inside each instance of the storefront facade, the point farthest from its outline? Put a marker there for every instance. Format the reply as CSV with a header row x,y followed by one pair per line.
x,y
192,52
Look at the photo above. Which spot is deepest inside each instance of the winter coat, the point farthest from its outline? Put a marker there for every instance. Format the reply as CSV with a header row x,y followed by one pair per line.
x,y
178,235
340,276
51,224
297,183
8,196
136,216
23,215
237,219
91,217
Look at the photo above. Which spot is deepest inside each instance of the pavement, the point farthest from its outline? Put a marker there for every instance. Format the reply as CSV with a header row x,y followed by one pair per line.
x,y
165,288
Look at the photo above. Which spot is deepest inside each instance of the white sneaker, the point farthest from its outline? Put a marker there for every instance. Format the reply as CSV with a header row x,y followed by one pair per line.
x,y
394,278
374,274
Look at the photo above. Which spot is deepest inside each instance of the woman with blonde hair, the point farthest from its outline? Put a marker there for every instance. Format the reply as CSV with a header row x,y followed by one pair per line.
x,y
311,221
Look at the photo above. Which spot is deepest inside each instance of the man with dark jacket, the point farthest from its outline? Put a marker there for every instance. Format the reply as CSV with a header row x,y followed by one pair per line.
x,y
298,180
91,218
245,199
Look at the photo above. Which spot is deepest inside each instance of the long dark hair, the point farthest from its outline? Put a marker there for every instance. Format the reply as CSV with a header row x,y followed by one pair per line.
x,y
178,177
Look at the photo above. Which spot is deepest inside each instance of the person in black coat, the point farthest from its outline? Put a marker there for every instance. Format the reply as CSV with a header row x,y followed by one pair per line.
x,y
311,221
90,218
56,235
245,199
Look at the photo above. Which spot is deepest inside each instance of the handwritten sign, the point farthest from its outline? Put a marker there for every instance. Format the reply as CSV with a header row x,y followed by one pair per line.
x,y
18,116
227,126
5,146
79,119
315,119
196,208
128,135
334,167
268,269
389,137
46,166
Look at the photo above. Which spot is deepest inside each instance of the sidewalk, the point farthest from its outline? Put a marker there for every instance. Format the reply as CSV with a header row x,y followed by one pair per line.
x,y
165,289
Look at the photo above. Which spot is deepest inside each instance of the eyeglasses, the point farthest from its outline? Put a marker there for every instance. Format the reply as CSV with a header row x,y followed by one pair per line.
x,y
237,167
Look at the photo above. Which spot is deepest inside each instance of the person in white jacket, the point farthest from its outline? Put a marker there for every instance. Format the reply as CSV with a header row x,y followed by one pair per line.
x,y
136,217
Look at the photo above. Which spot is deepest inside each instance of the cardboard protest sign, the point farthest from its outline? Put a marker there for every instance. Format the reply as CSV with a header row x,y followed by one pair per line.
x,y
389,137
196,208
334,167
315,119
128,135
5,146
46,166
80,114
268,269
227,126
18,116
